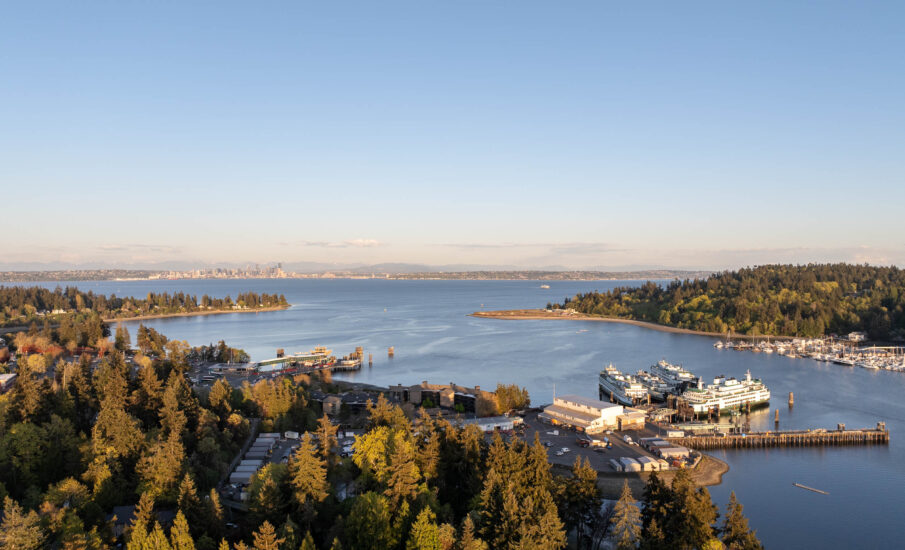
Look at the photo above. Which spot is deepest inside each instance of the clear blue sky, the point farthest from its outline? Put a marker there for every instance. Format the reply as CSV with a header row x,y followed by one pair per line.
x,y
578,134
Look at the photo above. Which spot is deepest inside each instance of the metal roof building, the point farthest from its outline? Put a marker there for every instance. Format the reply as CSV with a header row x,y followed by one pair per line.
x,y
583,412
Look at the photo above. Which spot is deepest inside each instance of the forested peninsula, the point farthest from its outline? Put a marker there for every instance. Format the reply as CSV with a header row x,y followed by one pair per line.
x,y
784,300
21,306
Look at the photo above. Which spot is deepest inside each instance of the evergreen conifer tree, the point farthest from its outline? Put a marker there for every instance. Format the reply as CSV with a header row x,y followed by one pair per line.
x,y
180,537
20,531
691,514
326,436
626,520
425,534
307,474
468,540
736,534
307,542
265,538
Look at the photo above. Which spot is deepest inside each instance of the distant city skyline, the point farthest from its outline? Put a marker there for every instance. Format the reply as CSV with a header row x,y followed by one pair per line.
x,y
529,135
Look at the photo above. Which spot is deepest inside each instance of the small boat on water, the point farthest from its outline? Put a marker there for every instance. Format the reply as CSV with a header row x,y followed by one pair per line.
x,y
545,286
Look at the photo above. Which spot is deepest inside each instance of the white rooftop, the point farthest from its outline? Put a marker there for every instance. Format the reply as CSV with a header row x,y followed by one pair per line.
x,y
586,401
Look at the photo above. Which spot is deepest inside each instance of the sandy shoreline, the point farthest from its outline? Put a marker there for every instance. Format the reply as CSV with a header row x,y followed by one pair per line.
x,y
537,314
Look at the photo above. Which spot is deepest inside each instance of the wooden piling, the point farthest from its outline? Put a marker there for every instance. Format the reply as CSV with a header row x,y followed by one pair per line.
x,y
791,399
370,359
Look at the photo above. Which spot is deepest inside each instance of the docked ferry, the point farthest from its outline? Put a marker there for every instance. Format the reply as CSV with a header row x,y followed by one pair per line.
x,y
621,387
657,388
726,395
674,376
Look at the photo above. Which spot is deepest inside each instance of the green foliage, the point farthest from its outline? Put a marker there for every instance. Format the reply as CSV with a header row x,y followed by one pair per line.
x,y
369,525
308,475
736,534
626,520
425,534
516,503
580,500
20,530
20,305
788,300
511,397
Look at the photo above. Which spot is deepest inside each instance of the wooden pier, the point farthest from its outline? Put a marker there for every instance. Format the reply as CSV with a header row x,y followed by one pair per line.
x,y
809,438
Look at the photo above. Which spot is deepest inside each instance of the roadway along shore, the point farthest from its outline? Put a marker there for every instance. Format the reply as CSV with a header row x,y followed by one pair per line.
x,y
540,314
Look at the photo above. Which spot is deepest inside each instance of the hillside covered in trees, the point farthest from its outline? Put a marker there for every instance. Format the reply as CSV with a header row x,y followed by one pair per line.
x,y
21,305
787,300
82,440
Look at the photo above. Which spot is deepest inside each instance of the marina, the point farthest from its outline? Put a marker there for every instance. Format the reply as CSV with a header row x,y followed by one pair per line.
x,y
844,352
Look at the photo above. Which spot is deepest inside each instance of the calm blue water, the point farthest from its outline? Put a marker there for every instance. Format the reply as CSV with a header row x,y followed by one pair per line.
x,y
435,340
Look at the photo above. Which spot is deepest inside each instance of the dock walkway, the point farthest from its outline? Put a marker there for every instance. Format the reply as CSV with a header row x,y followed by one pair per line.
x,y
811,438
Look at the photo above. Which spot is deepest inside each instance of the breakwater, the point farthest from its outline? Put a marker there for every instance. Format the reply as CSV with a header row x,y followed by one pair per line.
x,y
809,438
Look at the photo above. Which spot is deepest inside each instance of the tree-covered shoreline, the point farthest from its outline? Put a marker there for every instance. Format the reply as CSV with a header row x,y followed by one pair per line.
x,y
785,300
22,305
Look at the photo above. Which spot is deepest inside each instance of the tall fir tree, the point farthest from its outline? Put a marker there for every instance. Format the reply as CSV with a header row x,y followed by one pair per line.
x,y
626,520
425,533
691,514
20,530
265,538
736,533
308,478
180,537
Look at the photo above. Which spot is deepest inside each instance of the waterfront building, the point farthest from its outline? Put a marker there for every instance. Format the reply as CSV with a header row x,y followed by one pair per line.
x,y
591,415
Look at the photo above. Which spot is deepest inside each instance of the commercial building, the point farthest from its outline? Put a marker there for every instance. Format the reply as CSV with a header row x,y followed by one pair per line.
x,y
632,419
450,396
590,415
672,452
494,423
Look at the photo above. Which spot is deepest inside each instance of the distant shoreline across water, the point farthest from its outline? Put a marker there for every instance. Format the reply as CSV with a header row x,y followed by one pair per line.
x,y
540,314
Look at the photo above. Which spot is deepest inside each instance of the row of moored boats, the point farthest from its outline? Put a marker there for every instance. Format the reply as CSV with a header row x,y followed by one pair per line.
x,y
827,350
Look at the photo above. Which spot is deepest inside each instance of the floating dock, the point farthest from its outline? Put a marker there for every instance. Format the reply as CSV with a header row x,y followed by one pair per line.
x,y
809,438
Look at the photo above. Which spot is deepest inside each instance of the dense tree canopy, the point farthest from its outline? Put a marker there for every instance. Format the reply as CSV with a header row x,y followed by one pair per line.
x,y
20,305
789,300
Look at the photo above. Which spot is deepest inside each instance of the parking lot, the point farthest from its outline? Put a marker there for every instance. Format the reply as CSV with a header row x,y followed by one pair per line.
x,y
598,456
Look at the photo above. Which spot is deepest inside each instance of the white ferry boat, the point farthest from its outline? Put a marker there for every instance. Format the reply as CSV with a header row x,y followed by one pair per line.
x,y
621,387
726,395
657,388
674,375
